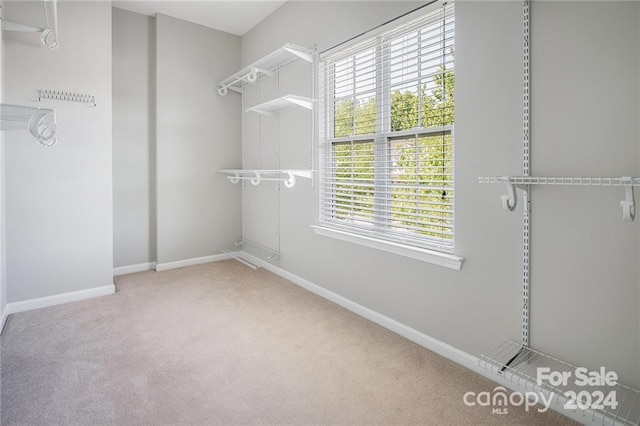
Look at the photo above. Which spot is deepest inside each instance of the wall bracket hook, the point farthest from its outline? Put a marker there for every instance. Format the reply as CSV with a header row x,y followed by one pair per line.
x,y
291,181
235,178
257,179
510,200
628,204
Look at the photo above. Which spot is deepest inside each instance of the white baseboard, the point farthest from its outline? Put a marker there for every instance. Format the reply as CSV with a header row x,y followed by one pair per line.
x,y
434,345
190,262
58,299
130,269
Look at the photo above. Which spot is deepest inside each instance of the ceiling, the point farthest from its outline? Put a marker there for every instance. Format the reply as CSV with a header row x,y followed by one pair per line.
x,y
232,16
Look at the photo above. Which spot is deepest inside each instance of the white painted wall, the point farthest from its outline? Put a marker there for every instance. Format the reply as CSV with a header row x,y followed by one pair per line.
x,y
585,279
59,209
198,132
134,126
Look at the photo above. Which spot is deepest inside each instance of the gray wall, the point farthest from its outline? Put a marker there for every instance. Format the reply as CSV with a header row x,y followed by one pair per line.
x,y
586,289
134,240
585,279
171,133
198,132
59,209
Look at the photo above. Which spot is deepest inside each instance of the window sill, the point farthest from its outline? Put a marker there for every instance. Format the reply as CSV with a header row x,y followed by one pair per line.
x,y
425,255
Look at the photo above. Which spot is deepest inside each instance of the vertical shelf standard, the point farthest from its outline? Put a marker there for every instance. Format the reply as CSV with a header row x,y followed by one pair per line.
x,y
268,66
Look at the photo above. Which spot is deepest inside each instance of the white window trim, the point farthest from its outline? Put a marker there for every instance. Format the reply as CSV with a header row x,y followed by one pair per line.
x,y
439,258
432,256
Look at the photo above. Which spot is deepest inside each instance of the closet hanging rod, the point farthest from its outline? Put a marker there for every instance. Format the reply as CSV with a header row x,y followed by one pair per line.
x,y
509,201
288,176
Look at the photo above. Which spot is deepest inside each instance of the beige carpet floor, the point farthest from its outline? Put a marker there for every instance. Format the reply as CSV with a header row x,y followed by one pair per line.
x,y
221,344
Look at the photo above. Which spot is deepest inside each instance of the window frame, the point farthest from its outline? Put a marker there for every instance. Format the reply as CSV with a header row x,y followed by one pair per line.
x,y
377,235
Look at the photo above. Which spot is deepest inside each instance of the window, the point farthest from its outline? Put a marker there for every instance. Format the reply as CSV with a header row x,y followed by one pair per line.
x,y
387,135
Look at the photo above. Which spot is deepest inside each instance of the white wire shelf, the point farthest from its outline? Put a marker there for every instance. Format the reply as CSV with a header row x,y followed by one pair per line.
x,y
237,253
509,201
571,181
40,122
265,66
528,370
256,176
48,28
278,104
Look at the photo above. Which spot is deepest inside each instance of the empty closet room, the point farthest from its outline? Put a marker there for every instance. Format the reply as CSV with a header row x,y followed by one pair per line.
x,y
320,212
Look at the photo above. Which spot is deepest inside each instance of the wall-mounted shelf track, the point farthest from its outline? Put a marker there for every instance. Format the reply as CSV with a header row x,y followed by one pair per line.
x,y
571,181
288,176
265,66
40,122
48,28
258,168
284,102
509,201
519,366
596,399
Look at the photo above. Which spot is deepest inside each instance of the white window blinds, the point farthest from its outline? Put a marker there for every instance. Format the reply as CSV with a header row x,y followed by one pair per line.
x,y
387,122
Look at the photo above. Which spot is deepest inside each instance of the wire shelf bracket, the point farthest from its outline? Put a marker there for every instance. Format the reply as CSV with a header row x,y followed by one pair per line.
x,y
522,183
